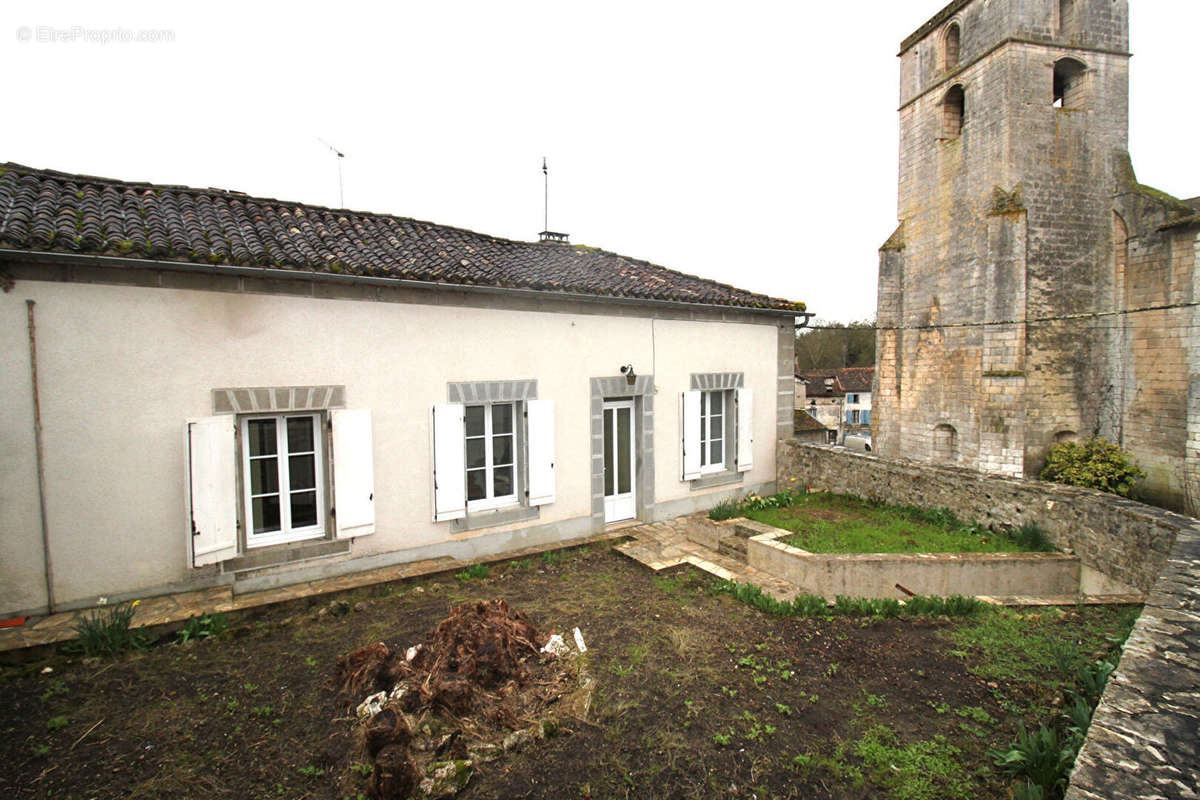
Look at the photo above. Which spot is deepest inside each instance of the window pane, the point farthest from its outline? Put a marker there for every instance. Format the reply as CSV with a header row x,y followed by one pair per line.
x,y
502,450
300,434
714,427
502,418
608,452
262,437
266,513
502,482
716,450
623,452
475,421
476,455
476,484
304,509
704,404
717,403
264,476
302,472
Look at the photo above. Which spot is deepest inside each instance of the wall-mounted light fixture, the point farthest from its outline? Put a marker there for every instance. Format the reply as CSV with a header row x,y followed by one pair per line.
x,y
630,377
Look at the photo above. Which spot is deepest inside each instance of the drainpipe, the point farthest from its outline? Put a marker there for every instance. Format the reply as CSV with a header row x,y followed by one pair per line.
x,y
41,469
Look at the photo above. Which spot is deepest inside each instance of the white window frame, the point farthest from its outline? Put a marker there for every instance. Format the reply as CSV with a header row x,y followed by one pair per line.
x,y
286,532
490,501
706,439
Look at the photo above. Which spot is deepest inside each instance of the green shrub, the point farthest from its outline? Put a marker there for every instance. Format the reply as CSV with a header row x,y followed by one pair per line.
x,y
1039,756
1094,464
810,605
726,509
202,627
1092,678
1033,537
105,631
473,572
1028,791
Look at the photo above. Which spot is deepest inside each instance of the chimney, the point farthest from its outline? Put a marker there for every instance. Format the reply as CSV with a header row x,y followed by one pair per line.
x,y
552,237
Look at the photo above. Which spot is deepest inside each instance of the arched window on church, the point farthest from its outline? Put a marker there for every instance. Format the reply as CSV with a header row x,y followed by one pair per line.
x,y
951,42
1070,84
954,112
945,444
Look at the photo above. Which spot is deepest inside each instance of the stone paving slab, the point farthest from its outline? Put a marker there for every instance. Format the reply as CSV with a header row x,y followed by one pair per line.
x,y
662,545
172,608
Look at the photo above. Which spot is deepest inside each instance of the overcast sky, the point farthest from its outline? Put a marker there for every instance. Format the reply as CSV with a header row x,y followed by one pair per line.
x,y
751,142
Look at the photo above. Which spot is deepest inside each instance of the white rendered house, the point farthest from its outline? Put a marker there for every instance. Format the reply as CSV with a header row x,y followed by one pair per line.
x,y
236,390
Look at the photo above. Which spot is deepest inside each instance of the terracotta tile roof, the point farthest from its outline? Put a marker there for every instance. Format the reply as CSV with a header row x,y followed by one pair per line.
x,y
803,421
836,382
856,379
42,210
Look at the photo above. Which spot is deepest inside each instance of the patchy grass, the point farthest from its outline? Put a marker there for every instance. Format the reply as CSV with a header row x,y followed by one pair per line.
x,y
831,523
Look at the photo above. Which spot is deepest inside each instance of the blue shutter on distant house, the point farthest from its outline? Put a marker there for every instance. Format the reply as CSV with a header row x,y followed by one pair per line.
x,y
866,417
848,417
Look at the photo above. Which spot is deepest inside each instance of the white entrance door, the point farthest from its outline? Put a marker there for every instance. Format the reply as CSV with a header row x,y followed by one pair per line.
x,y
620,496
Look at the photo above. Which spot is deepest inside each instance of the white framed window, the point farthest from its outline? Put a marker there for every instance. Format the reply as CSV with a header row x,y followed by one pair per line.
x,y
716,431
283,478
484,458
714,405
302,470
491,455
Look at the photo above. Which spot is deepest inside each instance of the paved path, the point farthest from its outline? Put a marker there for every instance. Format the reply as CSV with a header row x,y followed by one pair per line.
x,y
174,608
661,545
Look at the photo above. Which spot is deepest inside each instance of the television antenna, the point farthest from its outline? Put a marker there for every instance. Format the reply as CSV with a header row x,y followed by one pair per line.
x,y
340,156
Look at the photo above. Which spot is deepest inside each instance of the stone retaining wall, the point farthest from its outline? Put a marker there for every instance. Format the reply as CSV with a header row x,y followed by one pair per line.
x,y
1126,541
1144,741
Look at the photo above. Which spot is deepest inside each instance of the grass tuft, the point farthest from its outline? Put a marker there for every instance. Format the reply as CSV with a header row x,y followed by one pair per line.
x,y
106,631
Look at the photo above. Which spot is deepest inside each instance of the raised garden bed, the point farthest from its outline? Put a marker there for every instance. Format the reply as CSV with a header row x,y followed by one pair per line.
x,y
823,522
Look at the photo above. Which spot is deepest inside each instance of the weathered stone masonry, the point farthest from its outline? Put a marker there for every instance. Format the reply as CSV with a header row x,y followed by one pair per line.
x,y
1017,208
1128,542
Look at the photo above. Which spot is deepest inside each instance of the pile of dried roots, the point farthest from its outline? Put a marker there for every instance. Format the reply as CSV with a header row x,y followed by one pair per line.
x,y
478,687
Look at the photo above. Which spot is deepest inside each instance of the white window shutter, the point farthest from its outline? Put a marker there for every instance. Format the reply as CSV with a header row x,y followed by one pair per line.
x,y
745,429
211,465
353,472
689,423
449,462
540,425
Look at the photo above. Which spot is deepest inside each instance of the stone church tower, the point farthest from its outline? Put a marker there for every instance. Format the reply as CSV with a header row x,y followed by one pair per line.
x,y
1002,295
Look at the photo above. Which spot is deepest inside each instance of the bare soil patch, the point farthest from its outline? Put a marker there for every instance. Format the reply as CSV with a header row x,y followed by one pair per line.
x,y
696,695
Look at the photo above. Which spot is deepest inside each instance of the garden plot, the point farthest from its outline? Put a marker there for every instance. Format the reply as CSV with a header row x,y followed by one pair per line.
x,y
696,694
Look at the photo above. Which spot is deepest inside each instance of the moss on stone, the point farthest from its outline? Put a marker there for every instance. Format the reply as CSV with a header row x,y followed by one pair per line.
x,y
1004,202
896,240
